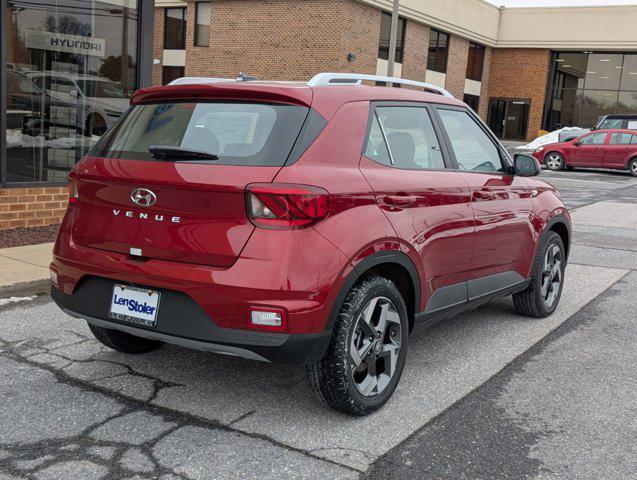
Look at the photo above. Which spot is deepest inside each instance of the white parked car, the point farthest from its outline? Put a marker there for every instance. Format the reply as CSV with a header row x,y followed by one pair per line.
x,y
100,101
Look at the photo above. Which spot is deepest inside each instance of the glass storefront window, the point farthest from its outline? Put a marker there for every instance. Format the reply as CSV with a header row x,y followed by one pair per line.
x,y
603,71
565,107
587,86
629,73
71,68
627,102
595,104
570,70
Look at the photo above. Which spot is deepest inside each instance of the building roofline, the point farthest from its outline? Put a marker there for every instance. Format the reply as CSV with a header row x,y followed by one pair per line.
x,y
515,27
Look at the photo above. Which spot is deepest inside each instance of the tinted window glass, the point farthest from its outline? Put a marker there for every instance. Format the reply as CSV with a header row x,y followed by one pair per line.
x,y
410,136
438,50
473,148
472,100
168,74
175,29
594,139
475,62
385,30
239,133
202,24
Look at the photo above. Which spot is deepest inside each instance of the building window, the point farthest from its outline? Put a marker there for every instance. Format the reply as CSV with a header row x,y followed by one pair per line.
x,y
475,62
587,86
168,74
438,51
175,29
385,30
472,100
60,100
202,24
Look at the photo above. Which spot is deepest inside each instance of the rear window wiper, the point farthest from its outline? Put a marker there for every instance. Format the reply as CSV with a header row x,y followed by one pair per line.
x,y
167,152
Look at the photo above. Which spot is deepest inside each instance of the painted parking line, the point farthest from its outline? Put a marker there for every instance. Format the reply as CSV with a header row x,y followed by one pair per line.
x,y
274,401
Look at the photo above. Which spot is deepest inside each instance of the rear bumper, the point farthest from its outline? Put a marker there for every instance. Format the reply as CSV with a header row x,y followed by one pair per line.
x,y
180,321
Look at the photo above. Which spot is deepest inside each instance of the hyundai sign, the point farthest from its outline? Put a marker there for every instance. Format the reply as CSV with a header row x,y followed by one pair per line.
x,y
59,42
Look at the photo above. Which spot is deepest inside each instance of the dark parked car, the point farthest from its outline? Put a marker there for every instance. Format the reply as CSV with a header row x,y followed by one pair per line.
x,y
614,149
316,224
625,121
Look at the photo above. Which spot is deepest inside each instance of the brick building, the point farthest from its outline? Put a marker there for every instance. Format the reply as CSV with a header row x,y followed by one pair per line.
x,y
505,62
521,69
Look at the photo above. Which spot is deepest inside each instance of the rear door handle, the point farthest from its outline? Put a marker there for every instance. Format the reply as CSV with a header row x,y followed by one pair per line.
x,y
400,200
479,195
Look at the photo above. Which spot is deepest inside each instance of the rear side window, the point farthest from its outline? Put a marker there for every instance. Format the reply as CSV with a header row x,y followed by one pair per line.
x,y
622,138
238,133
473,148
404,137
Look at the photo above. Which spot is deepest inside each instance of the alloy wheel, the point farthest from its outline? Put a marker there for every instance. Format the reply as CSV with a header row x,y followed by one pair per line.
x,y
551,275
375,346
554,161
633,168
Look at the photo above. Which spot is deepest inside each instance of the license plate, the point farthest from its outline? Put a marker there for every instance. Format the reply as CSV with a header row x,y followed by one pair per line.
x,y
135,305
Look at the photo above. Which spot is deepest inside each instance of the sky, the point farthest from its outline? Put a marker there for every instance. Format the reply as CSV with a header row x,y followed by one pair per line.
x,y
556,3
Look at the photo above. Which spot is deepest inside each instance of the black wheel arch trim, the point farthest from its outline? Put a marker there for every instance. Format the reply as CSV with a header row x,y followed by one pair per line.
x,y
377,258
559,218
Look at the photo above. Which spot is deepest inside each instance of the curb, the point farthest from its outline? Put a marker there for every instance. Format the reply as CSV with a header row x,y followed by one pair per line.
x,y
33,287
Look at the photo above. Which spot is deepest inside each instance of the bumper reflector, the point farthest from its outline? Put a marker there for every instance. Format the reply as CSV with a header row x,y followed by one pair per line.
x,y
265,318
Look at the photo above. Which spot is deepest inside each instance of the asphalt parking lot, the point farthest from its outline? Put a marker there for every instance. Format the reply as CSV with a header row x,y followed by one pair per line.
x,y
486,395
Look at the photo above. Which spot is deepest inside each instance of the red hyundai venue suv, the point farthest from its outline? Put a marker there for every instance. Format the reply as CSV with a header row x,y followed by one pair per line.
x,y
316,224
613,149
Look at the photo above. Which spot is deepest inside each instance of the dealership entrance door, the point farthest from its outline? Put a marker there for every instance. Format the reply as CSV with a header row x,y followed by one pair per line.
x,y
509,117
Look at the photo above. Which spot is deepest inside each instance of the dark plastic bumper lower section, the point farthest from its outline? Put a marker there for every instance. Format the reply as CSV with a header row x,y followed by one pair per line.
x,y
180,321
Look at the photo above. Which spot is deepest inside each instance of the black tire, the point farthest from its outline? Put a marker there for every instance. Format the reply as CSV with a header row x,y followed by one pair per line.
x,y
554,161
334,379
632,167
124,342
532,302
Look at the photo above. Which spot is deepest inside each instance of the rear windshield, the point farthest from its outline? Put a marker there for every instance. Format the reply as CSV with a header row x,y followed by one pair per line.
x,y
238,133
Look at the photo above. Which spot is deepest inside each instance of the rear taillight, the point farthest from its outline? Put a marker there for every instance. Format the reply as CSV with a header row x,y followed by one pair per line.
x,y
73,195
283,206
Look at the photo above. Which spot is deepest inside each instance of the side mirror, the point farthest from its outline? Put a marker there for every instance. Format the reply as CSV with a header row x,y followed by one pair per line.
x,y
526,165
576,143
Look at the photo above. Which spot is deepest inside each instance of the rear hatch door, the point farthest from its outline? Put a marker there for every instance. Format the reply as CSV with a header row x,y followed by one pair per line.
x,y
173,206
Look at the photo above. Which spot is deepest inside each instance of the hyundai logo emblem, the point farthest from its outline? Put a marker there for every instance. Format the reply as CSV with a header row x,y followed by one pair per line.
x,y
143,197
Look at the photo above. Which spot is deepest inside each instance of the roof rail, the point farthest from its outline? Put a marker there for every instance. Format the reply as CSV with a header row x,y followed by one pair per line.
x,y
323,79
242,77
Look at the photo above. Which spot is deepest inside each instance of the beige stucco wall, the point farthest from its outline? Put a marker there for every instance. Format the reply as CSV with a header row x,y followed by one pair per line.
x,y
475,20
588,28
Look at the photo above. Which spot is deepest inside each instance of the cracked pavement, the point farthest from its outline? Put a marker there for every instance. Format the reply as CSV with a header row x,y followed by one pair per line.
x,y
71,408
